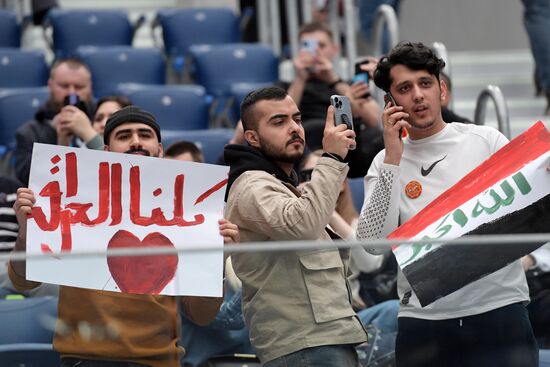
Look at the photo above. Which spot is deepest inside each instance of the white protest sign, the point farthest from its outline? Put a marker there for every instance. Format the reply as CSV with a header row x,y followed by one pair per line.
x,y
89,200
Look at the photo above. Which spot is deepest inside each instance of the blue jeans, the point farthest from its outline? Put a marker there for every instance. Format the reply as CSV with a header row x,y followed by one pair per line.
x,y
322,356
227,334
382,315
536,20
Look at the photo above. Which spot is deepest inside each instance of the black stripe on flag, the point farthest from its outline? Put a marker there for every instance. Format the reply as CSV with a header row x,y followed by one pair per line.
x,y
451,267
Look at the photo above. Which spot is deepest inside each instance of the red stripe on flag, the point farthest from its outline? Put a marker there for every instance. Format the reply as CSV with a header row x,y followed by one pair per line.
x,y
509,159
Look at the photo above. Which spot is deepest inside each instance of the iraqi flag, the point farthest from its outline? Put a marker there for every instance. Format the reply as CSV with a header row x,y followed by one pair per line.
x,y
507,194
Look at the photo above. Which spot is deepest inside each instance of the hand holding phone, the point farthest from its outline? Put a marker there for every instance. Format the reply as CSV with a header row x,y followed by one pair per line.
x,y
360,74
389,98
310,45
74,100
342,112
71,100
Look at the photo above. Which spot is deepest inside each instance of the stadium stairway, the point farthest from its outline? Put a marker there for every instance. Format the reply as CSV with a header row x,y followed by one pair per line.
x,y
512,71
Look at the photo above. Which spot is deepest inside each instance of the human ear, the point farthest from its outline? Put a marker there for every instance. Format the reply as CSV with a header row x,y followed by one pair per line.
x,y
251,137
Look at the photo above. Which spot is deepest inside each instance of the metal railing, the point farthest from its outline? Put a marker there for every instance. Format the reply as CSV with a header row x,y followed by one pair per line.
x,y
441,51
269,26
493,92
385,16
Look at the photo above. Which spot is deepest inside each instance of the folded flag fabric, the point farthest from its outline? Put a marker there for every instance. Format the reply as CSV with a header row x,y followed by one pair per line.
x,y
509,193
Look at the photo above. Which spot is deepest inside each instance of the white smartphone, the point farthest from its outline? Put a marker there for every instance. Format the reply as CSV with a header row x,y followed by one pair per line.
x,y
342,112
310,45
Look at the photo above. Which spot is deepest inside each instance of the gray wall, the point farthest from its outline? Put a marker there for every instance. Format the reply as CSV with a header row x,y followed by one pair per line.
x,y
465,24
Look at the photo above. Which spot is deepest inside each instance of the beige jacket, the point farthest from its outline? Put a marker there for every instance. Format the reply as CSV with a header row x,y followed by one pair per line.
x,y
299,299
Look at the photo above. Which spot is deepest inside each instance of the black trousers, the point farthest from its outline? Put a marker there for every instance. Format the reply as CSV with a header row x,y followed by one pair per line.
x,y
499,338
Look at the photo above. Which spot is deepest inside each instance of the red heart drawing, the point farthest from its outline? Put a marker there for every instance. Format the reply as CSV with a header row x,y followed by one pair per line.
x,y
142,274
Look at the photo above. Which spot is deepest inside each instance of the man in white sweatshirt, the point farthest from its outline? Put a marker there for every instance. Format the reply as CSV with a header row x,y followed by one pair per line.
x,y
484,323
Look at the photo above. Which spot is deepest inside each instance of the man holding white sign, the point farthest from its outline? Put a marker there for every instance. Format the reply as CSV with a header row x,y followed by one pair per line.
x,y
99,328
485,322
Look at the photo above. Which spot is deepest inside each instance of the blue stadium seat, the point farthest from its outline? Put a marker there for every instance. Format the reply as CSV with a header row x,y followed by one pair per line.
x,y
29,355
28,320
16,107
217,67
182,28
357,191
22,68
10,32
239,90
176,107
544,359
73,28
211,141
116,65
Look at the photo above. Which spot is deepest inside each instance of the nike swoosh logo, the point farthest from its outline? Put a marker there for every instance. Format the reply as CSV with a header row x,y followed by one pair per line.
x,y
426,172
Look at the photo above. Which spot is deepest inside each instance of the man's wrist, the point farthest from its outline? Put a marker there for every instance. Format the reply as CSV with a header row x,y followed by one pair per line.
x,y
335,83
333,156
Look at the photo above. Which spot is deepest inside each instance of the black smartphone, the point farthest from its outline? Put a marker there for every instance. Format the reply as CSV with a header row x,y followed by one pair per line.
x,y
74,100
389,98
342,112
361,75
71,100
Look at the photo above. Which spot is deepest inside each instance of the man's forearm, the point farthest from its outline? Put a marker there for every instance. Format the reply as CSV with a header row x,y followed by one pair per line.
x,y
19,266
296,90
380,213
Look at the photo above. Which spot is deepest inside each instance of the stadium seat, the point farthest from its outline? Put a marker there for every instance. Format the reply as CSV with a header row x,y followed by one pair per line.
x,y
357,191
22,68
239,90
16,107
182,28
71,29
28,320
211,141
176,107
217,67
10,32
116,65
544,359
28,355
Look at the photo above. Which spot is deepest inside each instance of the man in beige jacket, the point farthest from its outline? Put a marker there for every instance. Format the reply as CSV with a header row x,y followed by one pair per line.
x,y
297,304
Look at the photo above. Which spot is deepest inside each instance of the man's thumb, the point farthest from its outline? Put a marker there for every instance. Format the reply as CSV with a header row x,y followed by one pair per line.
x,y
330,117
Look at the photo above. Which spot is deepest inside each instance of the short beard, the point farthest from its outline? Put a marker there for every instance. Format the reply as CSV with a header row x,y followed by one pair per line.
x,y
423,127
271,152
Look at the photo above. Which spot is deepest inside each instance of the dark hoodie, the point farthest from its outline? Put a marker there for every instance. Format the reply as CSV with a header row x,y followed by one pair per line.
x,y
242,158
38,130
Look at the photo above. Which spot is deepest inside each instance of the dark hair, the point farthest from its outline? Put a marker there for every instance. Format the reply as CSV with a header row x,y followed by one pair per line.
x,y
122,101
415,56
183,146
269,93
315,27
